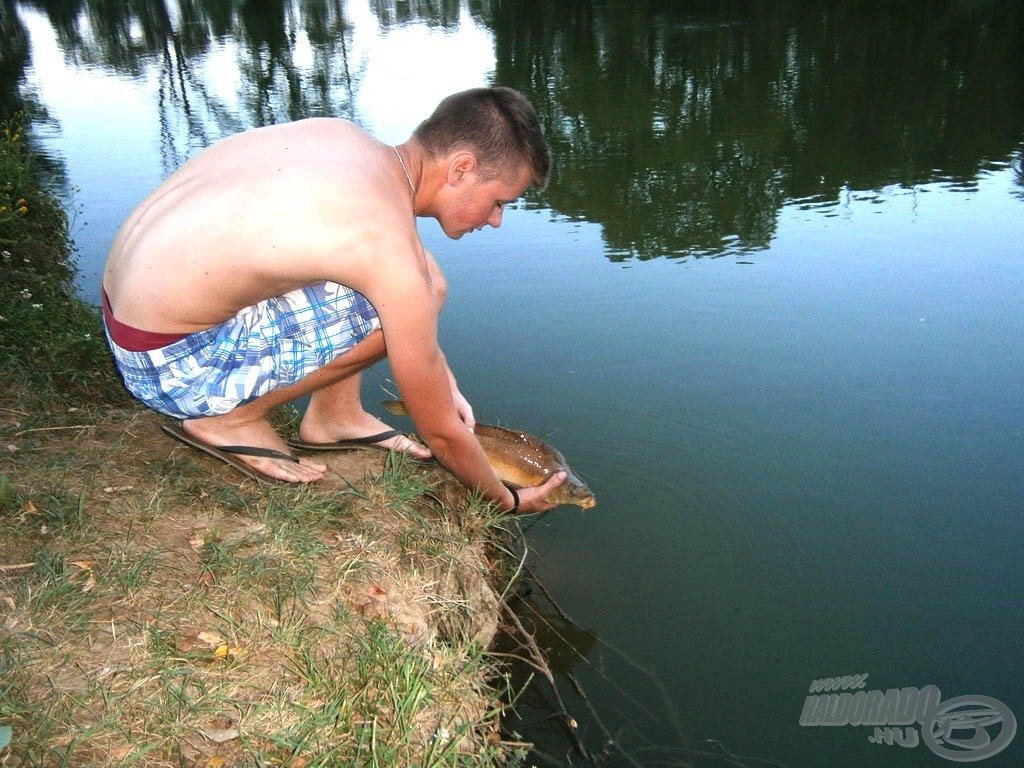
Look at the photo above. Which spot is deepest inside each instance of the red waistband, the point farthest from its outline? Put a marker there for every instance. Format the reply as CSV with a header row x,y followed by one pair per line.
x,y
134,339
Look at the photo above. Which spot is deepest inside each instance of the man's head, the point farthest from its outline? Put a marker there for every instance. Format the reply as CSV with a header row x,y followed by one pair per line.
x,y
498,125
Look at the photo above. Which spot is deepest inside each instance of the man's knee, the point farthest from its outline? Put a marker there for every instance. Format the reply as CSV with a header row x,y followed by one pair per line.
x,y
440,289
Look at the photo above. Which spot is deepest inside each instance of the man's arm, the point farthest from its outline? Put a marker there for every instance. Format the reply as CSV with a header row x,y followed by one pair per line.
x,y
408,311
407,288
440,286
408,304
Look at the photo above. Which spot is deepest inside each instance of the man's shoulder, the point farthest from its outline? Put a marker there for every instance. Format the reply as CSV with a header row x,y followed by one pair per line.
x,y
329,125
304,125
302,145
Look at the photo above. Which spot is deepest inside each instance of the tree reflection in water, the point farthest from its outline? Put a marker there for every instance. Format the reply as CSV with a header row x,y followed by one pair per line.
x,y
681,128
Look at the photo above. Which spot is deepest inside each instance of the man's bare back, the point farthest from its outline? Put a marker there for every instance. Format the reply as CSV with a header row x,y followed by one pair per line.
x,y
260,214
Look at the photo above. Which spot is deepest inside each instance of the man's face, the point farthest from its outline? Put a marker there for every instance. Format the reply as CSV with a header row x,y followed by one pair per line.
x,y
476,202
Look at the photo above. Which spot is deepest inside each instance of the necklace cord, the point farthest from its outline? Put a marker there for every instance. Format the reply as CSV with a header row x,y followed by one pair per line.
x,y
406,170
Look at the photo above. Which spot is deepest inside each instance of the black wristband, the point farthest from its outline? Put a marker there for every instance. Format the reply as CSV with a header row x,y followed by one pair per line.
x,y
515,498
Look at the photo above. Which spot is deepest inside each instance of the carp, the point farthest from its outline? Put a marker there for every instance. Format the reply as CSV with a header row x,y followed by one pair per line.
x,y
522,460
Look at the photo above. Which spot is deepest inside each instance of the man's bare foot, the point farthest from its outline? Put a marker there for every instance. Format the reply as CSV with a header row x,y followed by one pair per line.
x,y
403,444
312,435
218,431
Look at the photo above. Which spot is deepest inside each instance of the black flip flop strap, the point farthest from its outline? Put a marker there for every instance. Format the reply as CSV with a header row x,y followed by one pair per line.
x,y
379,438
249,450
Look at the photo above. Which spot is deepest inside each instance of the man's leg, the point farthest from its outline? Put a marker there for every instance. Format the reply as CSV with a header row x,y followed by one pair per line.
x,y
337,414
335,411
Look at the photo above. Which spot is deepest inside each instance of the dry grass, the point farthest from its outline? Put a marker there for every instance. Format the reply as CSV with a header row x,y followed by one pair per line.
x,y
157,612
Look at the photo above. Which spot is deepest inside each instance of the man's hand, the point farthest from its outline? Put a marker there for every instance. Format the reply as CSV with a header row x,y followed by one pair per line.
x,y
463,408
535,499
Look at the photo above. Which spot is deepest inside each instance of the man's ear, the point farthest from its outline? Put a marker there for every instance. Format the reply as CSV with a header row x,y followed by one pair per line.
x,y
460,164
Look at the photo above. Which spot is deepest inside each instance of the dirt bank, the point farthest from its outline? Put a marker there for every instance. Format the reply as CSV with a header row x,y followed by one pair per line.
x,y
158,607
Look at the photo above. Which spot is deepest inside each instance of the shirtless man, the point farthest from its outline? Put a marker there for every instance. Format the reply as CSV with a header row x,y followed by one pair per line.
x,y
284,260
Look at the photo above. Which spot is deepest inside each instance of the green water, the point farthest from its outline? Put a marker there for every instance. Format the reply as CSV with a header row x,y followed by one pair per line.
x,y
770,308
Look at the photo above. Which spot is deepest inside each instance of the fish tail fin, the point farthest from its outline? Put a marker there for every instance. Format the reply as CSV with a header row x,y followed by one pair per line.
x,y
396,407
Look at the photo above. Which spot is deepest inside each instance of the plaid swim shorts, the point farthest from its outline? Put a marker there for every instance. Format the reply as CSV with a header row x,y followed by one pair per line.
x,y
275,343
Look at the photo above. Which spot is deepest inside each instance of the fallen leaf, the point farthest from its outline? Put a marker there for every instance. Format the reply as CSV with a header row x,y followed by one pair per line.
x,y
228,651
216,762
85,565
120,753
220,735
212,639
89,584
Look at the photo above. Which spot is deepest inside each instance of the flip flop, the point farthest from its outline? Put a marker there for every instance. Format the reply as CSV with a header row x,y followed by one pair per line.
x,y
227,453
347,445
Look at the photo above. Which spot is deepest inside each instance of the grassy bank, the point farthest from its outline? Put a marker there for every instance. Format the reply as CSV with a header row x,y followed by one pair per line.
x,y
51,345
156,611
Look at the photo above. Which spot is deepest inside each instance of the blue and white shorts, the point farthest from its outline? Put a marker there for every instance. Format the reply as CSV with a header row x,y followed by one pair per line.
x,y
270,345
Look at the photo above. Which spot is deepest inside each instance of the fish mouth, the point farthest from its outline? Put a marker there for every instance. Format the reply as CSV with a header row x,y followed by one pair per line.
x,y
585,501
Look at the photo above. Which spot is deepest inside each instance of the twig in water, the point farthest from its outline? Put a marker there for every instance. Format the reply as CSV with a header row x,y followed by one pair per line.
x,y
541,665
